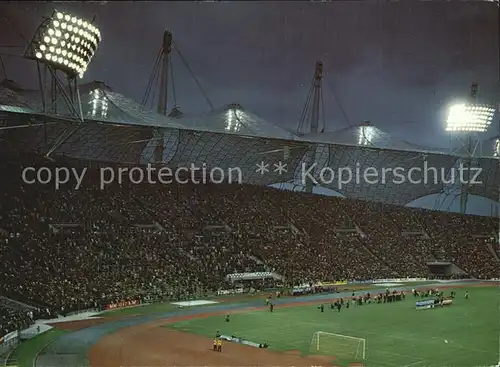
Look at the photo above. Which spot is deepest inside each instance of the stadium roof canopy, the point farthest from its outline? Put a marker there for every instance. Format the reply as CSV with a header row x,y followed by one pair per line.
x,y
234,119
100,103
364,134
118,130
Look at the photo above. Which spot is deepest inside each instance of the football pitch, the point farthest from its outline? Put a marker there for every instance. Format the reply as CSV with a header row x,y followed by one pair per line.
x,y
392,335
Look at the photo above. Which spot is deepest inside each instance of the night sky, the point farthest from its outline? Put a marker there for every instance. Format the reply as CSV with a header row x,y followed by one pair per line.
x,y
396,64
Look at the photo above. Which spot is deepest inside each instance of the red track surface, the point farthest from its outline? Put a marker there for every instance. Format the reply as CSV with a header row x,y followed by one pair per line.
x,y
153,345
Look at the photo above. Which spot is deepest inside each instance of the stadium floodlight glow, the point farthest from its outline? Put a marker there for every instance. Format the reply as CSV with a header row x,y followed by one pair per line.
x,y
233,119
469,118
65,42
366,135
98,104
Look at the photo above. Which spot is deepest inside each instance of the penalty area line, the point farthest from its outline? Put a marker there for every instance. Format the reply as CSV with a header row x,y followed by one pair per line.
x,y
415,363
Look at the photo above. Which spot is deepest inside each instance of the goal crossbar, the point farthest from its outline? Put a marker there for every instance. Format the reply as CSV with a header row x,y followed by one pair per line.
x,y
331,343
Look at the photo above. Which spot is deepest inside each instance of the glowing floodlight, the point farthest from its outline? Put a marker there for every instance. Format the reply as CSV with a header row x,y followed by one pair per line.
x,y
469,118
233,118
65,42
366,134
98,104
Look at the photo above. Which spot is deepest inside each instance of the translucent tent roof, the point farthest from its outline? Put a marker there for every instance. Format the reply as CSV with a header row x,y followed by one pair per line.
x,y
477,147
364,134
10,96
493,146
139,144
117,129
99,103
234,119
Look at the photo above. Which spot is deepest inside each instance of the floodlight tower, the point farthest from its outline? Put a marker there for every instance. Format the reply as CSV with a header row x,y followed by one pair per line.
x,y
465,122
309,119
63,46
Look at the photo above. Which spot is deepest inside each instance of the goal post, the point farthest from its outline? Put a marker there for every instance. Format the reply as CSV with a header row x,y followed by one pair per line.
x,y
338,345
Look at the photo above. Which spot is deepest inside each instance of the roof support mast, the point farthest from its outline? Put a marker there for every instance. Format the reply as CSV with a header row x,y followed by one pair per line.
x,y
467,162
318,76
166,50
161,76
315,93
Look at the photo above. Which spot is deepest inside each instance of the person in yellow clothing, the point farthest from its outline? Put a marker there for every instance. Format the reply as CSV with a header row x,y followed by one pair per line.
x,y
219,345
215,345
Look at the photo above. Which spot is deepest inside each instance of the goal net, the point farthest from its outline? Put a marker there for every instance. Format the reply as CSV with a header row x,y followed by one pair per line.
x,y
341,346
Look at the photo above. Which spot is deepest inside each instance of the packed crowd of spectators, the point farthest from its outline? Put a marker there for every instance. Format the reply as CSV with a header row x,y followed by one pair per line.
x,y
73,249
12,319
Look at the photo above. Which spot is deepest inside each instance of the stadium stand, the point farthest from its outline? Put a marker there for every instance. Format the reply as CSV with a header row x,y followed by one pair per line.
x,y
12,319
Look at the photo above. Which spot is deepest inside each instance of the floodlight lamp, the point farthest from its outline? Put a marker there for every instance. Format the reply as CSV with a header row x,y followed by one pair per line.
x,y
98,104
65,42
469,118
233,120
365,135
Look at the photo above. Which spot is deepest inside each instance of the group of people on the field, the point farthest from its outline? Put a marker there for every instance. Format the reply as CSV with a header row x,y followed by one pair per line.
x,y
383,297
430,292
366,298
72,249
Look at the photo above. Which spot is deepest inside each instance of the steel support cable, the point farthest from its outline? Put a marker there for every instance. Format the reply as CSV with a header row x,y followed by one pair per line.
x,y
152,77
323,109
173,80
155,86
305,109
194,77
20,34
2,65
337,101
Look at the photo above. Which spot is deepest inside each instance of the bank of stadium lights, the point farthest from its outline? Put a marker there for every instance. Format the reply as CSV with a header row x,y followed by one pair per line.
x,y
66,42
469,118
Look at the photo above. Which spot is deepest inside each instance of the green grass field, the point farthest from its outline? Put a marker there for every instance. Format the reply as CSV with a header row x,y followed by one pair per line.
x,y
395,334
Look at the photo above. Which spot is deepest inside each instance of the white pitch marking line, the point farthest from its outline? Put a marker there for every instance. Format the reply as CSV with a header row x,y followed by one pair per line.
x,y
415,363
